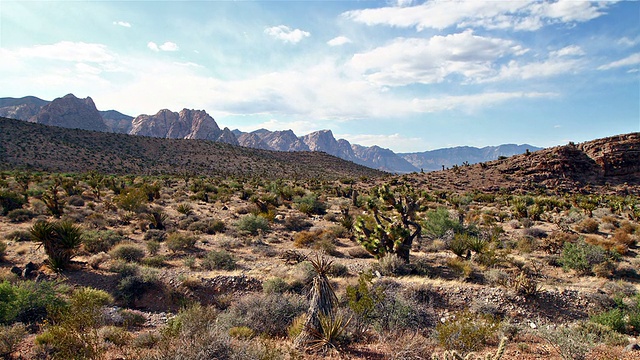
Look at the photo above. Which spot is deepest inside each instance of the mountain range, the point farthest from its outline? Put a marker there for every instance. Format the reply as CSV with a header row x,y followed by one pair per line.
x,y
72,112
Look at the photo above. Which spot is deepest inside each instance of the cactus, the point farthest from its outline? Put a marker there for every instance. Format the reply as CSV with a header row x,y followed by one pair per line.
x,y
454,355
395,227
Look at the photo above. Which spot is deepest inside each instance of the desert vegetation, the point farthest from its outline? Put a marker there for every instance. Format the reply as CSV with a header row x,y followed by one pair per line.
x,y
103,266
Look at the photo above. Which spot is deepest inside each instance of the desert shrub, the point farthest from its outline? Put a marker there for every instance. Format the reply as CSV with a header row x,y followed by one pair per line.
x,y
267,314
576,340
306,238
124,268
620,236
9,201
61,240
132,318
526,244
20,215
28,302
461,268
392,265
10,337
252,224
588,225
133,287
3,249
75,200
210,226
395,312
115,335
127,252
146,340
310,205
459,245
156,261
359,253
613,319
100,240
180,242
275,285
241,332
438,222
296,223
97,259
466,331
132,199
218,260
582,256
338,269
18,236
153,247
74,332
155,235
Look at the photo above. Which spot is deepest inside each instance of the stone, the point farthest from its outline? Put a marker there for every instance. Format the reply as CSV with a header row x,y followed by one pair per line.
x,y
632,347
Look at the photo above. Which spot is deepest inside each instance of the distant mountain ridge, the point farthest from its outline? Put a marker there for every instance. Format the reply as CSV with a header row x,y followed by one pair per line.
x,y
72,112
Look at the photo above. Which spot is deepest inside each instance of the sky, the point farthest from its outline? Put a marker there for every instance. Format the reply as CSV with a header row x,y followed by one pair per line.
x,y
405,75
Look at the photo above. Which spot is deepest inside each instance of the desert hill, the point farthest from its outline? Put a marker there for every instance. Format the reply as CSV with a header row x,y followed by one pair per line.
x,y
50,148
607,163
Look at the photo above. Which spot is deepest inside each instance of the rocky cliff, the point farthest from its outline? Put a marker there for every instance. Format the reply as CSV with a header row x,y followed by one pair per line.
x,y
21,108
187,124
117,122
617,155
70,112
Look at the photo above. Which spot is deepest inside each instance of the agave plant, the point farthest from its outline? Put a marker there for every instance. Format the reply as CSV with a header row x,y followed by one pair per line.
x,y
60,240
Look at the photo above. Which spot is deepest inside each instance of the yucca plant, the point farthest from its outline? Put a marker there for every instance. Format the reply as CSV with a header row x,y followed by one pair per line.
x,y
331,332
323,300
60,240
157,217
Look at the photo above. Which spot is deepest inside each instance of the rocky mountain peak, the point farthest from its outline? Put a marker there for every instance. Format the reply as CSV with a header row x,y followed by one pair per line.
x,y
187,124
71,112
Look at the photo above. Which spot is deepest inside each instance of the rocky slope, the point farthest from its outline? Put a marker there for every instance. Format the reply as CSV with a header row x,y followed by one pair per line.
x,y
57,149
611,164
434,160
117,122
21,108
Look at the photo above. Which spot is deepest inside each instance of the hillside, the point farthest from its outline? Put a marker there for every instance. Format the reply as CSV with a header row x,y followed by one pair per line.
x,y
608,163
41,147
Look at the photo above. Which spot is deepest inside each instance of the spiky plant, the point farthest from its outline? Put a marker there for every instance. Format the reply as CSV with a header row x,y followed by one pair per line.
x,y
332,329
60,241
323,300
454,355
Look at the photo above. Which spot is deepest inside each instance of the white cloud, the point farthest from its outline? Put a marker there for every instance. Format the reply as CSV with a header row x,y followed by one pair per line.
x,y
340,40
526,15
626,42
571,50
167,46
286,34
417,60
515,70
122,23
69,51
472,102
631,60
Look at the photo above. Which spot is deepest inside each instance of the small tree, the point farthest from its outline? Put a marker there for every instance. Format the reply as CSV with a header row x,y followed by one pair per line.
x,y
395,226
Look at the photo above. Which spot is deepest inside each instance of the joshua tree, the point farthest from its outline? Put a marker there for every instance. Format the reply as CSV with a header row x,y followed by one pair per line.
x,y
395,227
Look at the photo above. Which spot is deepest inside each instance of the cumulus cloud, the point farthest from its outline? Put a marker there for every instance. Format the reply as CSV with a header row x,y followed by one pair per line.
x,y
339,40
417,60
631,60
167,46
571,50
286,34
526,15
122,23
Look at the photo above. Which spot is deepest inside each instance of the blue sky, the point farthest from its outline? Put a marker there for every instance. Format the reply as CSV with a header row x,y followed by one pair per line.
x,y
405,75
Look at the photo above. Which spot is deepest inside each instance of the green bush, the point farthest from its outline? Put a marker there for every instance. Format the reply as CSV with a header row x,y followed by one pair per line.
x,y
28,302
614,319
155,235
466,332
100,240
127,252
20,215
582,256
252,224
10,200
392,265
310,205
438,222
275,285
219,260
210,226
180,242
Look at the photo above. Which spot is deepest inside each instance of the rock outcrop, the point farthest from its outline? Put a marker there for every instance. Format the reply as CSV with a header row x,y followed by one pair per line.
x,y
21,108
617,155
187,124
71,112
379,158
